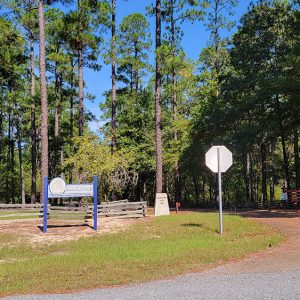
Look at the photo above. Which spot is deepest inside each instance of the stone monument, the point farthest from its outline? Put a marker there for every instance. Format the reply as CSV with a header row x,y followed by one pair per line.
x,y
161,207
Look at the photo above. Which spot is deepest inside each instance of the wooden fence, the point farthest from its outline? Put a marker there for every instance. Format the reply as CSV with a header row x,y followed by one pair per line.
x,y
21,210
121,208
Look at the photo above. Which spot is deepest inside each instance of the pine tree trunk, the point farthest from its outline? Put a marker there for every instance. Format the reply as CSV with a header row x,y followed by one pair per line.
x,y
57,146
297,159
21,161
44,100
33,123
246,167
8,160
283,144
272,183
71,113
159,161
113,77
80,72
72,103
80,91
263,173
285,159
196,188
175,112
62,175
12,155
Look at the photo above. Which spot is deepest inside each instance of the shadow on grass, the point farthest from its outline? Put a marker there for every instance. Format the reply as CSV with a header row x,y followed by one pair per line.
x,y
197,225
192,225
257,214
65,226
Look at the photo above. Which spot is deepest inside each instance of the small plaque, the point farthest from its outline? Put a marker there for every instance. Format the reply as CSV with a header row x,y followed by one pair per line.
x,y
161,205
57,186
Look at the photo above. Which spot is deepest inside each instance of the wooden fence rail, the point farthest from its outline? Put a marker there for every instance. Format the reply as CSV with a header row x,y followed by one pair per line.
x,y
121,208
130,209
21,210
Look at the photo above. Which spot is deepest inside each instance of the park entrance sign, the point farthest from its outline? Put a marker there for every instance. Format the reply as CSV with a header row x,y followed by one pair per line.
x,y
219,160
59,189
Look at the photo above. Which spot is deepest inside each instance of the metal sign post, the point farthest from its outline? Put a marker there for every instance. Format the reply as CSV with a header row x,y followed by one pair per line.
x,y
45,216
219,159
220,192
95,195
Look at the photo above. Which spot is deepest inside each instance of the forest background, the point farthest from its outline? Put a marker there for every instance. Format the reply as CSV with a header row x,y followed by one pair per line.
x,y
223,84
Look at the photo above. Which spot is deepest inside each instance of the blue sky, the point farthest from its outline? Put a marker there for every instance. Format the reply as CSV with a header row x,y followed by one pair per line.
x,y
195,38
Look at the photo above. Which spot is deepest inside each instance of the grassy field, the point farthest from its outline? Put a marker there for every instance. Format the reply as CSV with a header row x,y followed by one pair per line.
x,y
161,247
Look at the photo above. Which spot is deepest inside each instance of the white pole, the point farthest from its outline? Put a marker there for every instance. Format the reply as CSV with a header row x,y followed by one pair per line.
x,y
220,192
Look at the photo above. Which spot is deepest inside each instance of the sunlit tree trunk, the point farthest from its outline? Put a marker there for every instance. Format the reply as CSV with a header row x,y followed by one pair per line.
x,y
21,161
44,100
80,75
71,112
159,160
113,77
33,123
12,163
175,112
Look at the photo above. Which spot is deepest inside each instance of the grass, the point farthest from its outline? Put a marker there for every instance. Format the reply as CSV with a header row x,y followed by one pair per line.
x,y
21,214
164,246
17,214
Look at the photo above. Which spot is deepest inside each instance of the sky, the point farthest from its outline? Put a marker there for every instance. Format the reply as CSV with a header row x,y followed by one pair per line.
x,y
194,40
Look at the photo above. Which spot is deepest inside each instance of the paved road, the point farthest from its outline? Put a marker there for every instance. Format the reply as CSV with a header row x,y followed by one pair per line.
x,y
271,275
194,286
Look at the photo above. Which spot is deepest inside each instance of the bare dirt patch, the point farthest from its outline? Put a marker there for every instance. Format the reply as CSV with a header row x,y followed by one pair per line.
x,y
61,230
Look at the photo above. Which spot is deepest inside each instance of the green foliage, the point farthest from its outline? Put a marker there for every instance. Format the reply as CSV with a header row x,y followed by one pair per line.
x,y
93,157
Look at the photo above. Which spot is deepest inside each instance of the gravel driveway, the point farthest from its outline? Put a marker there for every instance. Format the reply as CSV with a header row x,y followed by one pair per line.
x,y
274,274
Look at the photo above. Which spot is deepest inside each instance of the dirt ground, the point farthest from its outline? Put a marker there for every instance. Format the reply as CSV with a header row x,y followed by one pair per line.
x,y
284,258
31,230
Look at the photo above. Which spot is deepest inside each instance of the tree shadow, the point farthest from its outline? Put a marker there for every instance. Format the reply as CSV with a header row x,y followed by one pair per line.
x,y
192,225
40,227
258,214
197,225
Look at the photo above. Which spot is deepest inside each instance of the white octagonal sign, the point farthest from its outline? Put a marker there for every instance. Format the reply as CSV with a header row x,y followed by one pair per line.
x,y
211,158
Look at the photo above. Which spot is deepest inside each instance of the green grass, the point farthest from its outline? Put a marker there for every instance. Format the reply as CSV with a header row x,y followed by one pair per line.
x,y
164,246
5,214
21,214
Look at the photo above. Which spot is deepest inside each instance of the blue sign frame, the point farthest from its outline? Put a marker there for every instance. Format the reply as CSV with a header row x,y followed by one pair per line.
x,y
46,196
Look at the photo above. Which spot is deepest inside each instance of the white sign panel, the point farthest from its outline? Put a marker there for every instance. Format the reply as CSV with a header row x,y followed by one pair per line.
x,y
59,189
161,205
211,158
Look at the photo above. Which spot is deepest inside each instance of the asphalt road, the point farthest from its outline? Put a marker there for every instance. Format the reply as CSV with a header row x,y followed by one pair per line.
x,y
196,286
274,274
